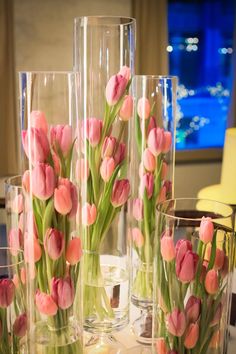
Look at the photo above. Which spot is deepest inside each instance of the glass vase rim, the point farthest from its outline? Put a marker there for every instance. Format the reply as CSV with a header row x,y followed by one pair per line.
x,y
130,20
12,265
47,72
224,217
8,180
155,77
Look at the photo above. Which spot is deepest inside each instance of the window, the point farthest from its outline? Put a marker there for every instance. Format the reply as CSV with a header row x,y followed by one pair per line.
x,y
200,54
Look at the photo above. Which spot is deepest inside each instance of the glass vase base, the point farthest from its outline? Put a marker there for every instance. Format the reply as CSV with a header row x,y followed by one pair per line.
x,y
142,327
140,349
103,344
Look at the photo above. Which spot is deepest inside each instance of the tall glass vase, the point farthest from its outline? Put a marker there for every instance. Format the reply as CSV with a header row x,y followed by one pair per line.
x,y
194,261
151,171
52,247
104,59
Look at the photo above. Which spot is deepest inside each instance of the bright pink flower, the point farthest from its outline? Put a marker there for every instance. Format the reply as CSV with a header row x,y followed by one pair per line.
x,y
176,323
54,243
143,108
164,170
108,146
43,181
115,89
62,291
120,192
120,153
7,292
182,246
82,170
156,141
151,124
138,238
167,248
32,249
149,160
71,188
38,120
17,204
126,72
94,131
206,230
45,304
15,240
138,209
217,315
89,214
61,137
126,110
62,200
107,168
193,308
186,261
20,325
147,183
211,282
167,142
74,251
161,347
37,141
191,336
26,181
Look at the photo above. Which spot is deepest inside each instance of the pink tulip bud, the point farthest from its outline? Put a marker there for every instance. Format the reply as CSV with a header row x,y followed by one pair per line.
x,y
62,291
182,246
206,230
191,336
32,249
186,261
138,209
43,181
37,141
20,326
93,131
151,124
15,240
54,243
82,170
138,238
38,120
108,146
126,72
120,192
7,292
126,110
120,153
89,214
149,160
45,304
115,89
211,282
26,181
164,170
143,108
167,142
147,183
161,347
62,200
167,248
176,323
107,168
217,315
71,188
17,204
156,140
193,308
61,137
74,251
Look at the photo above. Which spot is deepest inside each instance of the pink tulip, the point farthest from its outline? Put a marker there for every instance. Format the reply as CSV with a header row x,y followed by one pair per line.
x,y
115,89
62,200
138,209
32,249
219,257
206,230
125,72
217,315
147,183
37,141
120,192
186,261
108,146
82,170
191,336
7,292
38,120
182,246
61,137
43,181
193,308
107,168
71,188
211,282
143,108
126,110
176,323
62,291
20,325
156,141
138,238
94,131
167,248
167,142
120,153
45,304
74,251
151,124
149,160
89,214
161,346
54,243
56,163
164,170
17,204
26,181
15,240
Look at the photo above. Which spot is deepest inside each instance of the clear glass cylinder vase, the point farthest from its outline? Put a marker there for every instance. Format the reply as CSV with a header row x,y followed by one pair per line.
x,y
104,59
52,247
151,171
194,261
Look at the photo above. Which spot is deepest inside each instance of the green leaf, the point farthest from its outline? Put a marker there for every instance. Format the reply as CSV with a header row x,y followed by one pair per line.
x,y
138,134
48,215
68,159
213,252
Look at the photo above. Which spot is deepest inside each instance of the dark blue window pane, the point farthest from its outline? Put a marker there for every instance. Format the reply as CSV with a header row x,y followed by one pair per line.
x,y
200,54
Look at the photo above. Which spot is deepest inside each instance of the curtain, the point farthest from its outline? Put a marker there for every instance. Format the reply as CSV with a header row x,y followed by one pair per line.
x,y
231,121
152,36
8,120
